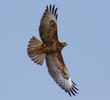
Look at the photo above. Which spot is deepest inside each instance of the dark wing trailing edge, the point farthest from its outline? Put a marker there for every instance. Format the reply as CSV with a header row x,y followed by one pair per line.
x,y
55,66
48,25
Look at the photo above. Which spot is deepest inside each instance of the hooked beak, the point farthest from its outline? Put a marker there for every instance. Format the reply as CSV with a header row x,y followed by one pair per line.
x,y
66,44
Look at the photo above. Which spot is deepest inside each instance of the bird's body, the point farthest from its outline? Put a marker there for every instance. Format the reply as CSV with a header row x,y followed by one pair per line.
x,y
50,49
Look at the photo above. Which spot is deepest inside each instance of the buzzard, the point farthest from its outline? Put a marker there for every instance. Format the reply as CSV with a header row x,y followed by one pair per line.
x,y
50,49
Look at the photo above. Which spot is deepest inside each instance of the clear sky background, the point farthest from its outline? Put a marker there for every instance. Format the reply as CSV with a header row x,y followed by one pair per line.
x,y
83,24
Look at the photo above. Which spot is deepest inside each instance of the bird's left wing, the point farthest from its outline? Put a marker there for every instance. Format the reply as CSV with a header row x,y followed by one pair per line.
x,y
58,71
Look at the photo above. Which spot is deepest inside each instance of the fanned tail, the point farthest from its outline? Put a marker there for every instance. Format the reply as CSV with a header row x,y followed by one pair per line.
x,y
35,52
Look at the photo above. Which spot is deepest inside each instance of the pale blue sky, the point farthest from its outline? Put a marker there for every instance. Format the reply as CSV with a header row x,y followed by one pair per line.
x,y
83,24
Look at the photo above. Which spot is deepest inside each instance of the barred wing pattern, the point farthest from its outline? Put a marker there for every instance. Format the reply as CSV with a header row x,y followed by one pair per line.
x,y
48,49
48,25
54,70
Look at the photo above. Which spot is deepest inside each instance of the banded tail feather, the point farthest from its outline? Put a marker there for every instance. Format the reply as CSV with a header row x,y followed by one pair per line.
x,y
34,51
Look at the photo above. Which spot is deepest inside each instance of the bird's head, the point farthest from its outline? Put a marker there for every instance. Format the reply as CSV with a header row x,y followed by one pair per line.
x,y
61,45
64,44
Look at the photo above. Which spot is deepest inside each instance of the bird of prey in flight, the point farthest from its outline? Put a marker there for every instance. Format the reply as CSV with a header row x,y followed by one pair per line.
x,y
50,48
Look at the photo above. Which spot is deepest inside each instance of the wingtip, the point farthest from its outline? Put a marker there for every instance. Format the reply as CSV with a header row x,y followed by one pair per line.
x,y
74,83
47,8
69,93
51,8
73,90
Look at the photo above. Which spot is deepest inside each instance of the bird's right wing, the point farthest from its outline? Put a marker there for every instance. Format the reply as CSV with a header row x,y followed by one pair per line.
x,y
48,25
58,71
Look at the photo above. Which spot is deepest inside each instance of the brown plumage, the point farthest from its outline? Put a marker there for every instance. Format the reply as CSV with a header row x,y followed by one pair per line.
x,y
50,48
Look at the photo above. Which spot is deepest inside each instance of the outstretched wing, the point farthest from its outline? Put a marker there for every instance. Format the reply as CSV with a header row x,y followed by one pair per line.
x,y
48,25
58,71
